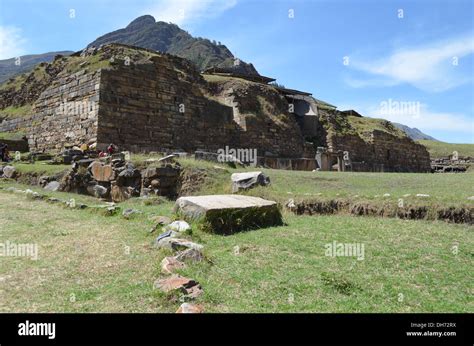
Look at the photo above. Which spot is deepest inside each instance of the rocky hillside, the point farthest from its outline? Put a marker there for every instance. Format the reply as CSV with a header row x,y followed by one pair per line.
x,y
169,38
8,68
414,133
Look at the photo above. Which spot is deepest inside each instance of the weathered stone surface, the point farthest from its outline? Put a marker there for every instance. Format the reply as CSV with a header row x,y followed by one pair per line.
x,y
178,226
176,282
248,180
103,173
161,220
230,213
9,172
98,191
129,213
188,308
120,193
192,255
52,186
170,264
177,244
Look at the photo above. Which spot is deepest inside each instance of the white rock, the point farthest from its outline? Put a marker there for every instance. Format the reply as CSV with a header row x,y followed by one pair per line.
x,y
422,195
177,226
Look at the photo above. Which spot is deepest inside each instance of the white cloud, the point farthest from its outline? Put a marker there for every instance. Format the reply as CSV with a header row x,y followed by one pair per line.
x,y
11,42
188,11
430,67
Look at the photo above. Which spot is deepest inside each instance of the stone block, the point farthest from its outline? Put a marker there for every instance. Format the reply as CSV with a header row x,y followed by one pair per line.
x,y
226,214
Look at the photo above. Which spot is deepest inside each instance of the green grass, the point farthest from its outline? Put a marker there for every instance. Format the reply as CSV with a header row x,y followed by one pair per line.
x,y
12,135
366,125
91,263
40,168
16,112
442,149
444,189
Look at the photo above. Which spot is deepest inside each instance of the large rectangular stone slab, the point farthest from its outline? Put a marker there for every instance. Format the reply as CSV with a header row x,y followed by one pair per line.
x,y
226,214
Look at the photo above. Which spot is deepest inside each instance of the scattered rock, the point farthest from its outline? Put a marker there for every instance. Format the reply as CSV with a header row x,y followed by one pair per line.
x,y
161,220
99,191
407,195
189,255
177,244
188,308
166,234
170,264
248,180
179,283
178,226
291,204
9,172
129,213
386,195
471,198
167,159
422,195
52,186
53,200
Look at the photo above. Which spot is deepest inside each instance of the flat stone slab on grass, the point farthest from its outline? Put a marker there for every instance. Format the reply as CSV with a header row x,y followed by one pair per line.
x,y
230,213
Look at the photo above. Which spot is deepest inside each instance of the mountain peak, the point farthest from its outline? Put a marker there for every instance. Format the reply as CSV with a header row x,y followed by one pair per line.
x,y
142,21
169,38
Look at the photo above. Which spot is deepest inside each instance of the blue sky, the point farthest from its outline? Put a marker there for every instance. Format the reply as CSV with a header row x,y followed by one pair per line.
x,y
358,55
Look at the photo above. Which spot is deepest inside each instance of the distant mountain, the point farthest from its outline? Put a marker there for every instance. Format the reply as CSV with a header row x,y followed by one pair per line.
x,y
169,38
9,69
414,133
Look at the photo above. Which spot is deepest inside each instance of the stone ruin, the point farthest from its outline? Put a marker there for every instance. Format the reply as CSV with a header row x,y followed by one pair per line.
x,y
159,102
113,178
451,164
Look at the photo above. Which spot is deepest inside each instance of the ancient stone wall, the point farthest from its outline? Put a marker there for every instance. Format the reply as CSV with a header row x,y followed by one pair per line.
x,y
68,110
166,105
65,113
263,117
154,107
383,152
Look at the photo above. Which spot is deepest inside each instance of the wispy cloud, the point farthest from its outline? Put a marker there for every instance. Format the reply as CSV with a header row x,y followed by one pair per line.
x,y
426,119
189,11
434,67
11,42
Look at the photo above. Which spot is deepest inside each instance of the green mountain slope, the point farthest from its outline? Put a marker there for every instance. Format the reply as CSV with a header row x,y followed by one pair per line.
x,y
10,68
169,38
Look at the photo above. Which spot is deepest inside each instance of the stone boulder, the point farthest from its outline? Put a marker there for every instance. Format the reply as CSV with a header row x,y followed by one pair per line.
x,y
230,213
188,308
189,287
248,180
101,172
176,244
10,172
98,191
170,264
52,186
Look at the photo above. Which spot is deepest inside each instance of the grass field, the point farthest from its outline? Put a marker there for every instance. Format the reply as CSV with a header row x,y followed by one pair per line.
x,y
444,189
442,149
87,262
